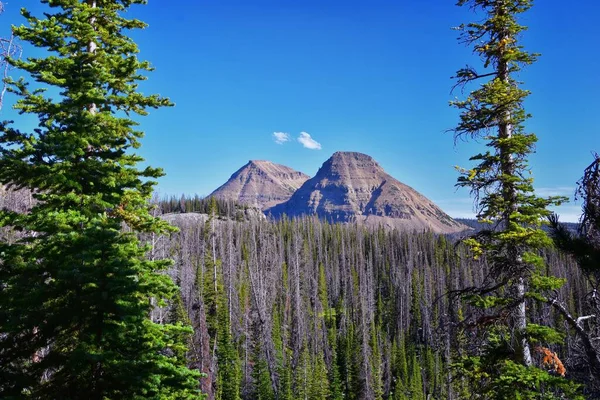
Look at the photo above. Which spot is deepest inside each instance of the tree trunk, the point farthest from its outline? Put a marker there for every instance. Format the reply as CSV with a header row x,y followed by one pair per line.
x,y
509,194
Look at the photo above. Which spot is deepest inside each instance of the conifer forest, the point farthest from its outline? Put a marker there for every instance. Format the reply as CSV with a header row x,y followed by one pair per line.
x,y
110,291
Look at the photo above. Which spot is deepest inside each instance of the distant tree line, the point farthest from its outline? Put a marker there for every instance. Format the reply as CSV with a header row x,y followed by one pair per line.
x,y
198,204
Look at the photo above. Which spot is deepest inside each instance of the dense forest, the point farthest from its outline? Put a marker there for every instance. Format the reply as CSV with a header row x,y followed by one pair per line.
x,y
302,309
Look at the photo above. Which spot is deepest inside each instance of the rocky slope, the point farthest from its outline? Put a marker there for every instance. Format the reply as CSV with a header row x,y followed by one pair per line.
x,y
353,187
262,184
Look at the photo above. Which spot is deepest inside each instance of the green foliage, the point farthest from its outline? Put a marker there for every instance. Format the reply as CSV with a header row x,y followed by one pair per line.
x,y
399,368
302,376
542,284
498,376
376,370
494,112
335,378
285,380
502,184
319,383
76,288
349,362
415,383
204,205
543,334
293,331
507,379
516,381
229,374
262,379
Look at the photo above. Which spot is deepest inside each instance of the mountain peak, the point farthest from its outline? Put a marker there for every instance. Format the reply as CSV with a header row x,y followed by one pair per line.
x,y
259,163
261,183
351,154
352,186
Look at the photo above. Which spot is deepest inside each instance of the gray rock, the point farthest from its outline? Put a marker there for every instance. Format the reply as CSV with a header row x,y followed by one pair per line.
x,y
261,184
352,187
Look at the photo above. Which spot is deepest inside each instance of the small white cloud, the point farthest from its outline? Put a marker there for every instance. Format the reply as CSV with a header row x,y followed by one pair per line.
x,y
281,137
308,142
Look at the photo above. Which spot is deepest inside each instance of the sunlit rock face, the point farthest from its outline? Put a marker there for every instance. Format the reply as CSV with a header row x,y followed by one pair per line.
x,y
352,187
261,184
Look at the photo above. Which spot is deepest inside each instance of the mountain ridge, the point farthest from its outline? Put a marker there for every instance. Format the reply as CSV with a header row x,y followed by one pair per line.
x,y
353,187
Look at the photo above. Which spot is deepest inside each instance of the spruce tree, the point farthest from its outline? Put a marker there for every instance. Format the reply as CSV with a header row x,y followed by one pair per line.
x,y
228,363
503,188
76,291
318,385
263,390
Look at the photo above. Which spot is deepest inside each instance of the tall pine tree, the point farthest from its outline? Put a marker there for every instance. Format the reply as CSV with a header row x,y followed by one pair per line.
x,y
75,293
502,186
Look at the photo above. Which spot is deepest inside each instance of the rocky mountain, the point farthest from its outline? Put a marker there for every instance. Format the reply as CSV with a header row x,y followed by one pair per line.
x,y
354,187
262,184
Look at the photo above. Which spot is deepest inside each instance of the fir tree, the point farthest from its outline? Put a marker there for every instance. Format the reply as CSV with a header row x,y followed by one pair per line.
x,y
335,386
415,383
302,373
282,356
399,369
376,370
263,390
76,290
503,188
319,383
228,364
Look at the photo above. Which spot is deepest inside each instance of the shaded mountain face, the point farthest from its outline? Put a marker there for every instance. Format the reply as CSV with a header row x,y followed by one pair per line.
x,y
353,187
262,184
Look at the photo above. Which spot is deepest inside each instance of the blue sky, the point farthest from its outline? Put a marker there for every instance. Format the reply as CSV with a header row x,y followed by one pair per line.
x,y
368,76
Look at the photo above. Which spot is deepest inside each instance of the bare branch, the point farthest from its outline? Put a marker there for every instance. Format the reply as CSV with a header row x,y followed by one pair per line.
x,y
591,351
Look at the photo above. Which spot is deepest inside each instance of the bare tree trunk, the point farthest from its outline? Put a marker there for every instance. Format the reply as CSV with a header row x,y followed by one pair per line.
x,y
591,351
509,194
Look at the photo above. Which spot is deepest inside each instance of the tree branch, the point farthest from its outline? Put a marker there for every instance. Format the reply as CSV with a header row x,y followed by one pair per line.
x,y
590,350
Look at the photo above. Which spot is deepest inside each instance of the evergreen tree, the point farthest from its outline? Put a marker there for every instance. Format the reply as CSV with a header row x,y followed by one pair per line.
x,y
282,355
229,374
285,378
415,384
502,185
228,363
262,379
75,293
319,383
302,375
399,369
335,386
376,363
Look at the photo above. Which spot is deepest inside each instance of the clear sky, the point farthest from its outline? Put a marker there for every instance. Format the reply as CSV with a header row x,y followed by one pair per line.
x,y
368,76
